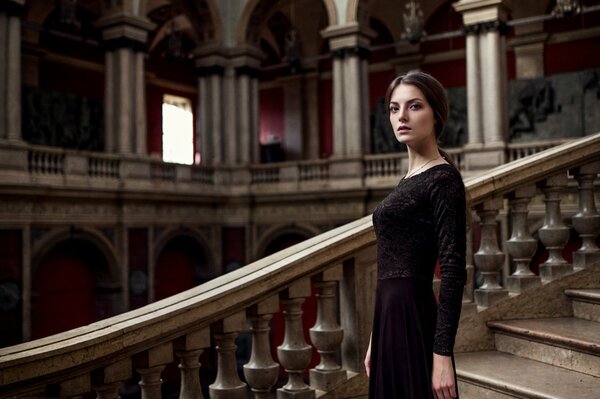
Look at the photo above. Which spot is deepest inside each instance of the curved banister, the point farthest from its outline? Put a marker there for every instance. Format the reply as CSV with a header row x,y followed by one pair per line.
x,y
87,348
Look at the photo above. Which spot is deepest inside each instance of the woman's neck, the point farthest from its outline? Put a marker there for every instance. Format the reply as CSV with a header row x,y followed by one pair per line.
x,y
418,156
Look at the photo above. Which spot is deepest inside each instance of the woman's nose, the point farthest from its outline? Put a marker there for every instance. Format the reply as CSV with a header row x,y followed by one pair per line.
x,y
402,116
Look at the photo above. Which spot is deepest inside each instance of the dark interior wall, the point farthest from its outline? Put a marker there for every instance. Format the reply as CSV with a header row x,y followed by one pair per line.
x,y
11,287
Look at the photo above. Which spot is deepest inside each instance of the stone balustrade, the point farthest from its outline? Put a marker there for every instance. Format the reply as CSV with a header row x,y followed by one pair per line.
x,y
369,171
340,265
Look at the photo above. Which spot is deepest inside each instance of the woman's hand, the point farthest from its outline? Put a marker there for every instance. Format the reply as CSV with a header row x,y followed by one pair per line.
x,y
442,379
368,361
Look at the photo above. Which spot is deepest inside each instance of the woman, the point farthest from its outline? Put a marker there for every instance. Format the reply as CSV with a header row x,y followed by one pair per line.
x,y
421,221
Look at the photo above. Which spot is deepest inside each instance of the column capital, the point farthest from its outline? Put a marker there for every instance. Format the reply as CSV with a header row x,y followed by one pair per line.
x,y
124,31
13,7
479,11
349,35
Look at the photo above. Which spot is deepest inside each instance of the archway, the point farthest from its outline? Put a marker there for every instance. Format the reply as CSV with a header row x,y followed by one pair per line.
x,y
71,287
180,265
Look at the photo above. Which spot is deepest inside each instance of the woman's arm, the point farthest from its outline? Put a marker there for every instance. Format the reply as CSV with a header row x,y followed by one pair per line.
x,y
368,358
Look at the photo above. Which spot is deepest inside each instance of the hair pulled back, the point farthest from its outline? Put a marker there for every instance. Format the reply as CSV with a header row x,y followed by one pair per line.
x,y
435,95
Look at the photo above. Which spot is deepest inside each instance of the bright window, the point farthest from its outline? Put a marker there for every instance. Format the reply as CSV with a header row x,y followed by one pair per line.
x,y
178,130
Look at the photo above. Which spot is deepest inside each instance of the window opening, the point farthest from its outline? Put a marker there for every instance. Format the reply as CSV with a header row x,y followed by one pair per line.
x,y
178,130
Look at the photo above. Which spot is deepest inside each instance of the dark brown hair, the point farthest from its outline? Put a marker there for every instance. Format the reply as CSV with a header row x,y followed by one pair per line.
x,y
435,95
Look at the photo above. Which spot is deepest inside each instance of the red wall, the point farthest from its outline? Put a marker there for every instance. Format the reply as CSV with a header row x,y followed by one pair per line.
x,y
572,56
272,113
62,282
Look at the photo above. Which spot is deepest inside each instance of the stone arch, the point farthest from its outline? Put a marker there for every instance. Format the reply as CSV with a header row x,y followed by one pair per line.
x,y
357,11
181,261
205,18
255,11
45,244
331,12
74,269
271,235
163,239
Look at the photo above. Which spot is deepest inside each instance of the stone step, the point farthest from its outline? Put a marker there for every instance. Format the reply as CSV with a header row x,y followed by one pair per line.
x,y
565,342
586,303
497,375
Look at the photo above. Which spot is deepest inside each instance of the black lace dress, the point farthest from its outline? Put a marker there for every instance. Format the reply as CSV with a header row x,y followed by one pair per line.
x,y
421,221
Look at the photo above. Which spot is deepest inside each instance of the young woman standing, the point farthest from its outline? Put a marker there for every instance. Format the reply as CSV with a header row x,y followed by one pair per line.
x,y
422,220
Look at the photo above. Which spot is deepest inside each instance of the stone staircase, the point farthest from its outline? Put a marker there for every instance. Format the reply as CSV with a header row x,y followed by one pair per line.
x,y
539,358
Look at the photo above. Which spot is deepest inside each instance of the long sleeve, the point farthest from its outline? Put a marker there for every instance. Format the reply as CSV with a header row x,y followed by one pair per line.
x,y
449,214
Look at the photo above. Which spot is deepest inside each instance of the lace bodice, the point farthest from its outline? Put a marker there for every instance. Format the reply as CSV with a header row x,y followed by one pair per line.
x,y
421,221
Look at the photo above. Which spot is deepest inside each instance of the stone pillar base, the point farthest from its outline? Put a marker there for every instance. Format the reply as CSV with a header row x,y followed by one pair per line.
x,y
484,158
582,260
306,394
487,298
327,380
346,173
551,272
519,284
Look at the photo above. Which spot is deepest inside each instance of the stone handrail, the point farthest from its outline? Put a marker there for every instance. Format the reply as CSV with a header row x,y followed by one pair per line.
x,y
101,355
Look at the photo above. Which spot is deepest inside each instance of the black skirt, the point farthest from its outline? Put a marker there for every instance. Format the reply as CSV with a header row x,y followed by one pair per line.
x,y
402,341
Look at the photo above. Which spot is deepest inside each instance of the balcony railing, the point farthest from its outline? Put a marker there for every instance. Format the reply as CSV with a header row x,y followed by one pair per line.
x,y
341,265
368,171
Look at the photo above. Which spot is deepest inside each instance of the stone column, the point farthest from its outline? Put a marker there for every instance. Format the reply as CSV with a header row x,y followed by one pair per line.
x,y
474,88
209,133
188,350
227,385
528,44
248,136
326,334
587,220
554,234
124,38
294,353
150,365
10,69
487,81
521,246
261,371
311,120
489,259
350,89
339,122
107,381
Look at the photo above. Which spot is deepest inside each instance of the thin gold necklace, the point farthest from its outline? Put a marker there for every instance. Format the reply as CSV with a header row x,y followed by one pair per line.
x,y
421,167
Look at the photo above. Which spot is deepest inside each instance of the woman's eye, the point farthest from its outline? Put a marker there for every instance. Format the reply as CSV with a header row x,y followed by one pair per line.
x,y
393,110
415,106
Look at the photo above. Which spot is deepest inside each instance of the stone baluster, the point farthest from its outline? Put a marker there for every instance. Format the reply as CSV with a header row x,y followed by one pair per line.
x,y
294,353
76,387
489,259
150,365
261,371
107,381
188,349
521,246
327,334
228,385
554,234
587,221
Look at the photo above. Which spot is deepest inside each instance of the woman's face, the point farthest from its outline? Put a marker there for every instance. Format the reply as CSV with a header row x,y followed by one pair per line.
x,y
411,115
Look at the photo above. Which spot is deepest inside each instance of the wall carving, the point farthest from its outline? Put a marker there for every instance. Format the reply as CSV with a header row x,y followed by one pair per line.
x,y
62,120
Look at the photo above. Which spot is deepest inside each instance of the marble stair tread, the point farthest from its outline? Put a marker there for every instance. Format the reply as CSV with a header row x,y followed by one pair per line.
x,y
588,295
567,332
524,378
